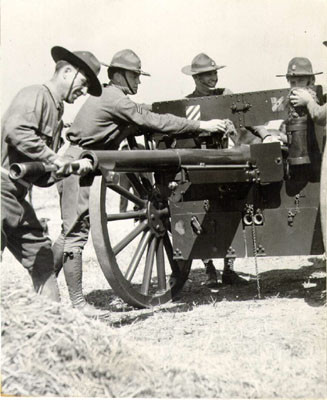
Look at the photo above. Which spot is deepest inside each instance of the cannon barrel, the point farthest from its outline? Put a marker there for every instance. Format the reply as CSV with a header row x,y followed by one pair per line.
x,y
29,169
33,169
257,162
152,160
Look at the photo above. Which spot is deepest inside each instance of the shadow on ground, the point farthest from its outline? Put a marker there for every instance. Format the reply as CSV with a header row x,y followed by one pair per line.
x,y
307,282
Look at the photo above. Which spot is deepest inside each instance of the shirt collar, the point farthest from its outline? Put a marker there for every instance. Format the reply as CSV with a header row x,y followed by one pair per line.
x,y
122,88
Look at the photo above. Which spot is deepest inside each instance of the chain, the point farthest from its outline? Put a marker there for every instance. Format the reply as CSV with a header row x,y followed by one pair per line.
x,y
254,240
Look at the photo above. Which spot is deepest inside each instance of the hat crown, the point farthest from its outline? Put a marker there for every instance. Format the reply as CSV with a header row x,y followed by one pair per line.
x,y
299,66
126,59
90,60
202,61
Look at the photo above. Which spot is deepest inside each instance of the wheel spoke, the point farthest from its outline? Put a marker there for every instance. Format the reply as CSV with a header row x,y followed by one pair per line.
x,y
148,266
126,215
137,255
127,194
131,236
161,267
137,185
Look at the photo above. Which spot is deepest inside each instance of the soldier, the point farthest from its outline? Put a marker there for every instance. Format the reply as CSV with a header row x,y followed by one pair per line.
x,y
31,130
102,124
204,72
318,113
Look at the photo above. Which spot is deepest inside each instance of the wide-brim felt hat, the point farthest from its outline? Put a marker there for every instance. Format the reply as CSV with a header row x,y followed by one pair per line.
x,y
126,59
299,66
200,64
84,61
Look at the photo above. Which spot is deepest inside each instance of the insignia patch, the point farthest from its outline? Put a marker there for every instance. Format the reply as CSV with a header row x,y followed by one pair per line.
x,y
193,112
294,67
277,104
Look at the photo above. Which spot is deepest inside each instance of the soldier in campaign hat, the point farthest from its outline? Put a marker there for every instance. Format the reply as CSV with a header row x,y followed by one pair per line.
x,y
102,124
318,113
31,129
300,73
204,69
204,72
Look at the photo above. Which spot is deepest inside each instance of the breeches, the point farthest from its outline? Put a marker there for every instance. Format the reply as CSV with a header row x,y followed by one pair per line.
x,y
74,203
23,234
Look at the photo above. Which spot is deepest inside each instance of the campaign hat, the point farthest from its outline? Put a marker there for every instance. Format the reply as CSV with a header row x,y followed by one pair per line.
x,y
201,63
127,59
300,66
84,61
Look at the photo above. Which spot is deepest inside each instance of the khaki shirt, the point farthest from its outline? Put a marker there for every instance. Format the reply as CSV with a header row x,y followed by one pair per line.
x,y
29,125
103,122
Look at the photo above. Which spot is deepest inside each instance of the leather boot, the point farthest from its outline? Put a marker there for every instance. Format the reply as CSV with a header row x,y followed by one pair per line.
x,y
58,253
73,275
46,284
230,277
211,281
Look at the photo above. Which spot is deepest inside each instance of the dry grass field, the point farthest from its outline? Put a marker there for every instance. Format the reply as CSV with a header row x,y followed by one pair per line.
x,y
206,344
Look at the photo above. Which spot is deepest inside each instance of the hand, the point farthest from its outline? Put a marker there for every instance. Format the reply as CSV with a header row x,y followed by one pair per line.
x,y
300,97
214,125
82,167
64,166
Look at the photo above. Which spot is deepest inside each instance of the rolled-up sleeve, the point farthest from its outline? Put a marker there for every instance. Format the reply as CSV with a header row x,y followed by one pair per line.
x,y
166,123
318,113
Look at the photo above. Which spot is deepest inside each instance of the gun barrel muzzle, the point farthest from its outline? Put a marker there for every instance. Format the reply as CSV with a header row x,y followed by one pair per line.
x,y
29,169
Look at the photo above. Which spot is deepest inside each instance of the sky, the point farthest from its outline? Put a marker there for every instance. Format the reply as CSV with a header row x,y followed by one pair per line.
x,y
255,39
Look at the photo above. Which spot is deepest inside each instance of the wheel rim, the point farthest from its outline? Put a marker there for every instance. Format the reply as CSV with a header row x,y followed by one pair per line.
x,y
134,248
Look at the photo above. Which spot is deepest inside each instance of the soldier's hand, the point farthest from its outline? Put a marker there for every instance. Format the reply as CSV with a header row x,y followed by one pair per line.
x,y
82,167
214,125
63,165
300,97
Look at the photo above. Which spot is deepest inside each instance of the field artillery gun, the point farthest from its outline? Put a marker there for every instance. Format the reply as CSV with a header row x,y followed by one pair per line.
x,y
205,200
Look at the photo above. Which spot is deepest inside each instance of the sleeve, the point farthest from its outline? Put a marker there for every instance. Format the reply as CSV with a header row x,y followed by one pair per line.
x,y
20,129
317,113
166,123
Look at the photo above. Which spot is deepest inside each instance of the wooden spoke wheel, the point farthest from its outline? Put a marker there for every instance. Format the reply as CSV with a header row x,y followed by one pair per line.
x,y
134,248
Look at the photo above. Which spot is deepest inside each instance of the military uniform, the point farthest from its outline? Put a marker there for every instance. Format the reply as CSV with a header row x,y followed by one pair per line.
x,y
27,135
31,130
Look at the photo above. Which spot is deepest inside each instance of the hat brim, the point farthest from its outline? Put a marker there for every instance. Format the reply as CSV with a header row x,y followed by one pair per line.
x,y
60,53
187,70
139,71
287,75
325,42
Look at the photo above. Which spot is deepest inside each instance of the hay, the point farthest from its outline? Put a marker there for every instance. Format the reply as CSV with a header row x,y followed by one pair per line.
x,y
50,349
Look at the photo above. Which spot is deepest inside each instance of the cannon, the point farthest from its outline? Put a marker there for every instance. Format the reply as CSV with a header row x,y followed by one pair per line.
x,y
205,200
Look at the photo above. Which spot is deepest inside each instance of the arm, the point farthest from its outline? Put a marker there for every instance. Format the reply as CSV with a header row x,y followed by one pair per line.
x,y
166,123
301,97
20,133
